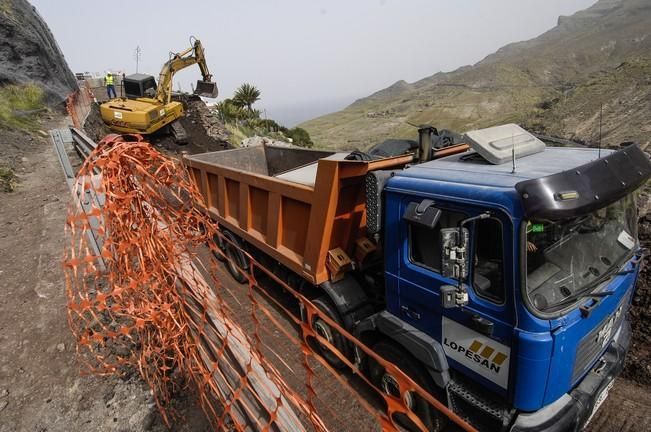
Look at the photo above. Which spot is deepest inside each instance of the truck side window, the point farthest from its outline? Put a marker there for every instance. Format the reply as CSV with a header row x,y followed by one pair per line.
x,y
425,244
488,275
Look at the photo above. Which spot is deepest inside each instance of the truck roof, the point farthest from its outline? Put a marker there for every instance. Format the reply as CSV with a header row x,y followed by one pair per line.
x,y
471,168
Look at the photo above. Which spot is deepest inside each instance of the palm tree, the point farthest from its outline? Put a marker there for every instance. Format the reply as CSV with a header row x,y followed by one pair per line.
x,y
229,111
246,95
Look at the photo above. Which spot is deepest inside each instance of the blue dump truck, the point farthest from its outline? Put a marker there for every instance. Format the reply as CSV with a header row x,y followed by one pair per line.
x,y
499,278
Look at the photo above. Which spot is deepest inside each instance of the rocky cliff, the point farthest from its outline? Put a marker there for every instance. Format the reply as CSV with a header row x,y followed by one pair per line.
x,y
29,52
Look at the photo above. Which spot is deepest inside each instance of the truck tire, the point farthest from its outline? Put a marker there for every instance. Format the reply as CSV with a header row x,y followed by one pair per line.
x,y
430,416
220,245
236,263
324,330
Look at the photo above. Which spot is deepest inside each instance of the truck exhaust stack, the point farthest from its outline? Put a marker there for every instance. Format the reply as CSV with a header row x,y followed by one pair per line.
x,y
425,134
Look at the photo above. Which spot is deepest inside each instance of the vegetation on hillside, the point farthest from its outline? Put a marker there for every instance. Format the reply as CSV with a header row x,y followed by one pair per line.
x,y
18,106
245,96
7,179
244,121
619,98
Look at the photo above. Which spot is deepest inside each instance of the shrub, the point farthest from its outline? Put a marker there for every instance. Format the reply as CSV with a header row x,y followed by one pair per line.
x,y
300,137
7,179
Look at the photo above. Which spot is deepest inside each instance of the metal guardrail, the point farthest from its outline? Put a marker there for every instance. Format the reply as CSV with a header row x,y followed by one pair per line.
x,y
87,198
83,144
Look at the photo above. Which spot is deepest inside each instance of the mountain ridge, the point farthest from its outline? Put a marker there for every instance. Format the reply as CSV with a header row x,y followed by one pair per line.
x,y
529,82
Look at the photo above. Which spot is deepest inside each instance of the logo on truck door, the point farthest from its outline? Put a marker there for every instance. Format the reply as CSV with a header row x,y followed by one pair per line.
x,y
477,352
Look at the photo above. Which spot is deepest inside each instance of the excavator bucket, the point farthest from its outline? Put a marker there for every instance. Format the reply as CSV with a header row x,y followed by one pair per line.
x,y
206,89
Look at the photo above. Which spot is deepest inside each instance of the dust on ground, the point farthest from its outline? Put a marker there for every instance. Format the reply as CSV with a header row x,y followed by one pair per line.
x,y
41,388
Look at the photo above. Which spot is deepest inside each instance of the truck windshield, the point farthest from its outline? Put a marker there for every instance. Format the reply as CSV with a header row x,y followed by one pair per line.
x,y
570,257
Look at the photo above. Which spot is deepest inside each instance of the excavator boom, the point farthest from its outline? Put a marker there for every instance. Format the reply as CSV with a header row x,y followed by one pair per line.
x,y
181,60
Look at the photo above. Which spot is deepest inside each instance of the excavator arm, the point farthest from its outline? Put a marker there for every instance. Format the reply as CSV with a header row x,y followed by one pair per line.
x,y
193,55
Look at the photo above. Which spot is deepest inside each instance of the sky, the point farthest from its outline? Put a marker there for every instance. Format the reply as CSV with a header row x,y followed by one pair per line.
x,y
307,57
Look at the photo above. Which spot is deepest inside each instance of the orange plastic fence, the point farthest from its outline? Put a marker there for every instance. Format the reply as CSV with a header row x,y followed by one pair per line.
x,y
157,298
78,104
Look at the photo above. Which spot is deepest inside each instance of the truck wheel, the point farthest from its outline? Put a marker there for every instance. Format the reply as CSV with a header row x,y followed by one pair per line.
x,y
220,245
387,383
324,330
236,259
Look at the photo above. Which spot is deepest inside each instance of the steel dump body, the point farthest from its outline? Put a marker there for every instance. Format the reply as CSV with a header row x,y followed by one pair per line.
x,y
295,205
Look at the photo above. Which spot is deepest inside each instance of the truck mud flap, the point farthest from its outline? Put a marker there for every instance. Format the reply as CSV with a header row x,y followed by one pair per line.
x,y
423,347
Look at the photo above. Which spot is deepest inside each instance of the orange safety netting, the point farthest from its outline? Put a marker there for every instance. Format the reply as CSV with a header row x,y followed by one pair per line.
x,y
78,104
146,289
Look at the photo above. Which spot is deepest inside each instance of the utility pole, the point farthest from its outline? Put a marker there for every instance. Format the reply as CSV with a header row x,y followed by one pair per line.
x,y
137,55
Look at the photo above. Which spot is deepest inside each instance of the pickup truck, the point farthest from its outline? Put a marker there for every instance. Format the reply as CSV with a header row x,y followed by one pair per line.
x,y
497,273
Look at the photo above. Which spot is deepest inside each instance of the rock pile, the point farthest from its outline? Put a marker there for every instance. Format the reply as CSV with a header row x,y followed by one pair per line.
x,y
199,114
256,141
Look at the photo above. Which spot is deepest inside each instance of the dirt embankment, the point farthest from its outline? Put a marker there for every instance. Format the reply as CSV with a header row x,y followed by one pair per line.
x,y
29,52
94,126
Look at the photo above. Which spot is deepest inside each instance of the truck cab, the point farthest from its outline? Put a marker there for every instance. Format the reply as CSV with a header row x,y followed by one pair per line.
x,y
521,322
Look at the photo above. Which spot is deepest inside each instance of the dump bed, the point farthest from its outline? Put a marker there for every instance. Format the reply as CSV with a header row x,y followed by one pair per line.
x,y
295,205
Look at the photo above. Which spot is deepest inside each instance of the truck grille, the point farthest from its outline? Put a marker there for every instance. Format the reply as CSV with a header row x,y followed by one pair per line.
x,y
597,340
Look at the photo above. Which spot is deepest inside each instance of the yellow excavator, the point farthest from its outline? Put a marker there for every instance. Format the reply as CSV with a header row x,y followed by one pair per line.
x,y
146,107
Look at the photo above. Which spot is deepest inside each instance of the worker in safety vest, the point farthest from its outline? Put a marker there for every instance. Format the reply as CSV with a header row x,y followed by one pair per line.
x,y
110,88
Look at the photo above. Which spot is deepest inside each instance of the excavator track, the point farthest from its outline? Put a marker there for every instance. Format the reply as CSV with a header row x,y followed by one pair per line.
x,y
178,132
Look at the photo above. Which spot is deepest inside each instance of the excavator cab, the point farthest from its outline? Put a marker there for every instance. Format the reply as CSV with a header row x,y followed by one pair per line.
x,y
139,85
206,89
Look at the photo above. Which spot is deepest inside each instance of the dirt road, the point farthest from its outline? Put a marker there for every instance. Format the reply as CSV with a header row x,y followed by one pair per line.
x,y
40,385
627,409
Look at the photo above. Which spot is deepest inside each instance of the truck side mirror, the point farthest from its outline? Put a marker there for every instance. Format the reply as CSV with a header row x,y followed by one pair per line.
x,y
454,253
423,214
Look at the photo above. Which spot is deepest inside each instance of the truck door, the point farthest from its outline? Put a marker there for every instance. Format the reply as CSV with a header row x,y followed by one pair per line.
x,y
476,338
